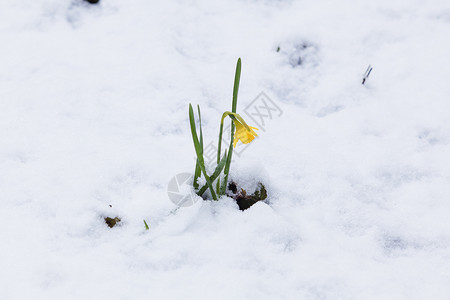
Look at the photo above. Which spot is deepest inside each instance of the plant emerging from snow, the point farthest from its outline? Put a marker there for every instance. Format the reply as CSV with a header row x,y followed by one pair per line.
x,y
239,131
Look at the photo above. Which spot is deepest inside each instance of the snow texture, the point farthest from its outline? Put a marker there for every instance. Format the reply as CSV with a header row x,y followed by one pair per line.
x,y
94,123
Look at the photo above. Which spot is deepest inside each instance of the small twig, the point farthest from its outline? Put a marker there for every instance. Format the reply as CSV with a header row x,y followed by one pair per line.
x,y
366,74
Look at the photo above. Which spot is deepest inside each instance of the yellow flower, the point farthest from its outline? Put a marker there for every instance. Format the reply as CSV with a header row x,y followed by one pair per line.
x,y
246,135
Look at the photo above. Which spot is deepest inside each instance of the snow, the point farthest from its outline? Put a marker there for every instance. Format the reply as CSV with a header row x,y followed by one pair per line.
x,y
94,123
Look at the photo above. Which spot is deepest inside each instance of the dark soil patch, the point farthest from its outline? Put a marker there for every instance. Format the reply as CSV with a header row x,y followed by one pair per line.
x,y
244,200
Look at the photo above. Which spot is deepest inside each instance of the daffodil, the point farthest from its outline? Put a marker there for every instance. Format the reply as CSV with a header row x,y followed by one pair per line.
x,y
240,131
243,133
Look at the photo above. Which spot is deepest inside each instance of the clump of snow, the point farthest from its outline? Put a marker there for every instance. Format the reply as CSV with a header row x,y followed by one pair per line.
x,y
93,113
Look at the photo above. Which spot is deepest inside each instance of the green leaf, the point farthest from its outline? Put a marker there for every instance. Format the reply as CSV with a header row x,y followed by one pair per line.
x,y
215,175
198,171
146,225
199,151
200,125
237,78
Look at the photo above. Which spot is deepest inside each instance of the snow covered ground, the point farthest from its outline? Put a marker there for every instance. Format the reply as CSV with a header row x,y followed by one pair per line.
x,y
94,113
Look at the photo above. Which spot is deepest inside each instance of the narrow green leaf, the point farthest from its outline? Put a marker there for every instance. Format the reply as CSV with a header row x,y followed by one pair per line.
x,y
199,151
197,174
194,131
237,78
218,186
198,171
215,175
200,125
146,225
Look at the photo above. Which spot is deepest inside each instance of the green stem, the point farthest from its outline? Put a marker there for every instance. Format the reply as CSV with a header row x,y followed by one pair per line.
x,y
219,150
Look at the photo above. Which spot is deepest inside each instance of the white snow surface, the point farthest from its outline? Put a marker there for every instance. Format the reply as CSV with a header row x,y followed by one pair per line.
x,y
94,113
